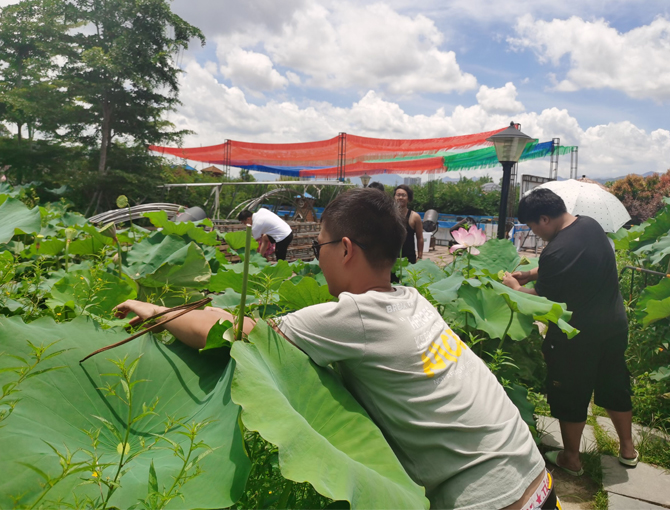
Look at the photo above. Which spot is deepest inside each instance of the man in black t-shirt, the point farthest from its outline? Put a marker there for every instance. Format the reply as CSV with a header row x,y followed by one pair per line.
x,y
578,268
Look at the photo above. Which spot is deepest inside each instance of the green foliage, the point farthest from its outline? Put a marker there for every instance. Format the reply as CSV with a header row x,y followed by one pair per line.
x,y
361,467
17,219
306,292
89,434
462,197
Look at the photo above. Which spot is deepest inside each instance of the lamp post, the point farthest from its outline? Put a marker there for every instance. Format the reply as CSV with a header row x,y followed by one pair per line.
x,y
365,180
509,145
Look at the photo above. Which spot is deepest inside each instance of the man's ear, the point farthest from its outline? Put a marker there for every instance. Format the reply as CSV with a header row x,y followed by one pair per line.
x,y
348,249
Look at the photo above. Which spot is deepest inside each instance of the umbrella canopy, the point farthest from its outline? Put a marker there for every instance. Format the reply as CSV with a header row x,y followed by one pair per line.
x,y
588,199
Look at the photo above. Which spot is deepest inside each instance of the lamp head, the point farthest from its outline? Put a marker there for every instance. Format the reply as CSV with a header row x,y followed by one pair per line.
x,y
509,143
365,180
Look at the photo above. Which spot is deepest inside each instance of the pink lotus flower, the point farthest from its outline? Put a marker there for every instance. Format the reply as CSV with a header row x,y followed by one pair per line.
x,y
468,239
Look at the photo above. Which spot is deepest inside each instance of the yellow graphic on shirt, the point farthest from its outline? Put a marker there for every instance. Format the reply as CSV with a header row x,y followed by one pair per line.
x,y
440,351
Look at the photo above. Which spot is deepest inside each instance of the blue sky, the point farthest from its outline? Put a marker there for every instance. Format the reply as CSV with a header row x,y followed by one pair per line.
x,y
594,73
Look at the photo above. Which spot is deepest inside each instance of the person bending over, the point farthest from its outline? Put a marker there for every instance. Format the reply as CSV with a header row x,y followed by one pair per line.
x,y
578,268
403,196
270,229
442,411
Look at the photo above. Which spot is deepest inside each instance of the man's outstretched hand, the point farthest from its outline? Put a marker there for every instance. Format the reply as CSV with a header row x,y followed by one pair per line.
x,y
141,309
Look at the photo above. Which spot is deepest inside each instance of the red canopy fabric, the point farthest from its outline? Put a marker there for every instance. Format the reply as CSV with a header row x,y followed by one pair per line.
x,y
425,165
324,153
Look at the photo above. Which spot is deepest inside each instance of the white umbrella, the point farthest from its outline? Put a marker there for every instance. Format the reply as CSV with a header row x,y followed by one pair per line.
x,y
588,199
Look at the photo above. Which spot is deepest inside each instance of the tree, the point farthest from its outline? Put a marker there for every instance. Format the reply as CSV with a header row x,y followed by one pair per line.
x,y
123,71
32,37
642,196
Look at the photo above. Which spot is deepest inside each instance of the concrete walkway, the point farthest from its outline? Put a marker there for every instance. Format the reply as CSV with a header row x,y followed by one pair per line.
x,y
645,487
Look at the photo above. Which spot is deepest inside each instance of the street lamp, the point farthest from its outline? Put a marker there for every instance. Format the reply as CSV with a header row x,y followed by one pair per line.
x,y
509,145
365,179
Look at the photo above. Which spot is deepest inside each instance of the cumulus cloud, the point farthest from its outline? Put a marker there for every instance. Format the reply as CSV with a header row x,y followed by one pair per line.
x,y
501,100
346,45
217,112
251,70
636,62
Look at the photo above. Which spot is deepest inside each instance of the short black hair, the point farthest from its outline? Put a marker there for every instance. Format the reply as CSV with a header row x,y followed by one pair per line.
x,y
244,215
405,187
377,185
540,202
370,218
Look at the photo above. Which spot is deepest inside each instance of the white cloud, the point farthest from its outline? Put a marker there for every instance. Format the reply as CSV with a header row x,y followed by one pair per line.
x,y
501,100
251,70
635,62
216,112
346,45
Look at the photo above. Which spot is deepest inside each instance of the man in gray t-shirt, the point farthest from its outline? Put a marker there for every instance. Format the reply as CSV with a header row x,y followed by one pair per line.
x,y
443,412
441,409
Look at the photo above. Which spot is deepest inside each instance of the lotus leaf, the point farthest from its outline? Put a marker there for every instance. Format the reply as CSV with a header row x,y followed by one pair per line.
x,y
654,302
653,228
424,272
660,374
230,300
61,400
323,435
159,260
537,307
496,255
306,292
93,293
181,229
491,313
519,397
18,219
446,290
237,240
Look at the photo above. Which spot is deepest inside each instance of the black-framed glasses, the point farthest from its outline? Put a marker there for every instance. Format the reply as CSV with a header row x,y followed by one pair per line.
x,y
317,246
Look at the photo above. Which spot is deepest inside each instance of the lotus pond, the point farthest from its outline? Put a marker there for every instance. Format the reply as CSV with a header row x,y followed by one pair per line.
x,y
240,424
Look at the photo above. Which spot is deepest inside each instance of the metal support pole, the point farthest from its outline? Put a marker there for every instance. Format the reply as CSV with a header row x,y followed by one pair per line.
x,y
226,158
574,163
341,156
504,198
553,163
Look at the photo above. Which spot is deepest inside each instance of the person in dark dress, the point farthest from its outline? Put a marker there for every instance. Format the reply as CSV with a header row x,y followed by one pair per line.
x,y
578,268
404,195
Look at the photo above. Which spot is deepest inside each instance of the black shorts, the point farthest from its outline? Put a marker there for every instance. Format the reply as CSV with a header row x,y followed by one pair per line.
x,y
585,364
281,247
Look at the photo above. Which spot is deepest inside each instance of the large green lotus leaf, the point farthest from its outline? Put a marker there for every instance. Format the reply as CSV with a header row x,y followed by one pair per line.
x,y
657,251
491,313
660,374
56,405
237,240
425,271
496,255
93,293
537,307
230,300
323,435
185,228
231,277
654,302
306,292
159,260
16,218
94,243
653,228
446,290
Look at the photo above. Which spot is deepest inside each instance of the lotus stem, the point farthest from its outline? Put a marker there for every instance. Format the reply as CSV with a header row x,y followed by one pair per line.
x,y
245,277
509,324
67,256
119,261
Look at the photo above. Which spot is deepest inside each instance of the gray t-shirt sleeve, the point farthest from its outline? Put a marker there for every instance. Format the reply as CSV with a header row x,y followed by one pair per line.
x,y
328,332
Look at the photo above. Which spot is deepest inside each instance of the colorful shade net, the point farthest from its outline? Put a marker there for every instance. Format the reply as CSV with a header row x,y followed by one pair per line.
x,y
322,154
359,155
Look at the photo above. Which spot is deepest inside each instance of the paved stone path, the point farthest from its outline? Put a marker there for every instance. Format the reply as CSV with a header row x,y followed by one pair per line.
x,y
645,487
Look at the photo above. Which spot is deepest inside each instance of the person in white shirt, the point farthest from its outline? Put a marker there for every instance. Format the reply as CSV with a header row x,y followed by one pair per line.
x,y
270,229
